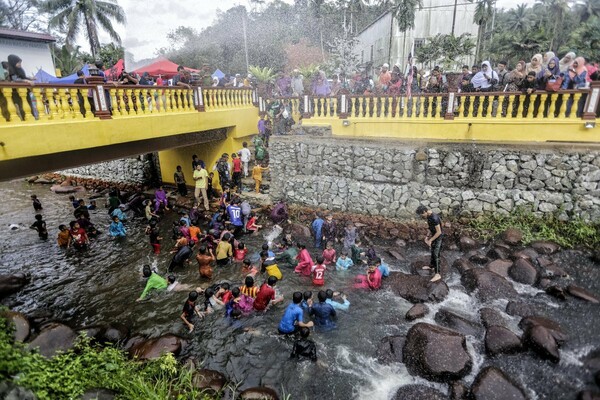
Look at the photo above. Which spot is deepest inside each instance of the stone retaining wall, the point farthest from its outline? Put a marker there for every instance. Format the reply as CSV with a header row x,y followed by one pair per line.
x,y
391,178
141,169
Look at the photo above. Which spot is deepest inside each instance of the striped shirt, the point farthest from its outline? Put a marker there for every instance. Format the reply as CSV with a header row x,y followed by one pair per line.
x,y
249,291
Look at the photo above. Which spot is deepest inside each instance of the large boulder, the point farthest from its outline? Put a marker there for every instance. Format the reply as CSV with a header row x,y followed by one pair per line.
x,y
517,308
209,379
436,353
540,340
512,236
416,289
259,393
553,327
489,286
499,267
458,391
552,271
299,231
20,323
459,323
10,284
528,254
154,348
545,247
115,333
462,265
499,253
465,243
416,267
389,349
499,339
556,291
477,257
419,392
54,338
523,271
582,294
490,317
493,384
60,189
417,311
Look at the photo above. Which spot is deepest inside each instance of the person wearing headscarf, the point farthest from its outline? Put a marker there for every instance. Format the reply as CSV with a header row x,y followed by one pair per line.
x,y
535,65
575,78
549,55
551,71
565,63
485,79
514,77
16,73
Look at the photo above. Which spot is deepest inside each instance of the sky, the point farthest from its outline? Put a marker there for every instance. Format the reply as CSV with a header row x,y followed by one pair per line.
x,y
149,22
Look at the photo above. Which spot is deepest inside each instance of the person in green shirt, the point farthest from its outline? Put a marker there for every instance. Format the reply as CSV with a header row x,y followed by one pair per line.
x,y
357,253
155,281
287,257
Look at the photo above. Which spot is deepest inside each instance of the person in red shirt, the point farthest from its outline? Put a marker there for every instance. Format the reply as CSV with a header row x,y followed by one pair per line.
x,y
240,253
329,254
237,172
318,272
79,237
304,261
226,295
266,295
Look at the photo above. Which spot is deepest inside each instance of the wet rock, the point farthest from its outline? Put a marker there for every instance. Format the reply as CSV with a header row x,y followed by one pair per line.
x,y
499,253
556,291
419,310
489,285
544,283
416,289
456,322
462,265
553,327
458,391
477,258
552,271
298,230
154,348
93,332
512,236
389,349
54,338
115,333
133,341
597,378
10,284
419,392
493,384
526,254
21,324
490,317
259,393
397,256
59,189
523,271
44,181
416,267
540,340
99,394
209,379
423,354
545,247
9,391
465,243
31,179
595,257
499,340
582,294
499,267
517,308
588,395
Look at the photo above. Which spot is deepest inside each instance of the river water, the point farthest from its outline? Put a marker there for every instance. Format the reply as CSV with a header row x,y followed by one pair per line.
x,y
100,285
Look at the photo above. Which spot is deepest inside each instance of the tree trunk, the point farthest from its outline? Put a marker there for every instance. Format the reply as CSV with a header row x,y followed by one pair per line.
x,y
92,35
478,46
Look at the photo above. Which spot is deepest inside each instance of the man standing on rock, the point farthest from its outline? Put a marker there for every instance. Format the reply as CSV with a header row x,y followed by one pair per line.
x,y
434,241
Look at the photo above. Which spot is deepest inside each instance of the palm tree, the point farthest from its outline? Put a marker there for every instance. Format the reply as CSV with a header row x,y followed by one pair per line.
x,y
519,18
556,10
588,9
67,59
484,12
69,15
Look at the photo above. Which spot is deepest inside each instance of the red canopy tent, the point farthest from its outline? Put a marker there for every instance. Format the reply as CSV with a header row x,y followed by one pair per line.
x,y
115,71
162,66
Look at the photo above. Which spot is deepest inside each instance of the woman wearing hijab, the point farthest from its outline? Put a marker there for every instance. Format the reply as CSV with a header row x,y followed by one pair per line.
x,y
513,82
547,57
16,73
548,73
484,81
575,78
566,62
535,65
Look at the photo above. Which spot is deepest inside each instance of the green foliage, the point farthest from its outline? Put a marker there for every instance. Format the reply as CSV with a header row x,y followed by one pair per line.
x,y
262,75
568,234
109,54
68,375
448,50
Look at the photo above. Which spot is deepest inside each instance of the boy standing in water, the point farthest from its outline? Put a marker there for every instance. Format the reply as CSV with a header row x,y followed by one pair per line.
x,y
329,229
318,272
190,309
64,236
116,228
154,234
40,226
317,228
434,240
37,205
304,347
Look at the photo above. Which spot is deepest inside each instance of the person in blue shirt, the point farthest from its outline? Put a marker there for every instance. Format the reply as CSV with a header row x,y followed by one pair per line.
x,y
292,317
323,313
235,217
343,262
118,212
383,267
305,297
317,228
116,228
186,218
265,247
337,305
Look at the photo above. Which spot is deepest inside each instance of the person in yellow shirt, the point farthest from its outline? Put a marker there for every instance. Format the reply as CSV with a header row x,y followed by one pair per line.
x,y
257,176
201,178
224,251
269,265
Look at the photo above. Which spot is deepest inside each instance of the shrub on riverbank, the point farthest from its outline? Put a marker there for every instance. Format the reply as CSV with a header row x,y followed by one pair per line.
x,y
70,374
568,234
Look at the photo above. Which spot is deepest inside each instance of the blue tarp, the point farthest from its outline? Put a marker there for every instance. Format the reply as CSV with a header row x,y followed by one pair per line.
x,y
43,77
71,78
218,74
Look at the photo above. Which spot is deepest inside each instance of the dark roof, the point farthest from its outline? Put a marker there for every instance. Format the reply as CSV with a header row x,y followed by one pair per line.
x,y
27,36
372,23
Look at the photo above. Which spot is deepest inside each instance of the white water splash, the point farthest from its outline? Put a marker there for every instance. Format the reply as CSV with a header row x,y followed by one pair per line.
x,y
273,234
526,290
573,357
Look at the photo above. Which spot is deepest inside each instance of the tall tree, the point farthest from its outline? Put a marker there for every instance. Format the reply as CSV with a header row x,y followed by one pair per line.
x,y
20,14
588,9
70,15
556,10
519,18
484,12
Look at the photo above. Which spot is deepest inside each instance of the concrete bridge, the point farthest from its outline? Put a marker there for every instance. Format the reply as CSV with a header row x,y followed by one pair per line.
x,y
47,127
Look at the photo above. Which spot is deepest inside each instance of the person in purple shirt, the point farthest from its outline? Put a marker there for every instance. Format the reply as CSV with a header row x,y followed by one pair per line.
x,y
320,85
284,84
160,199
261,126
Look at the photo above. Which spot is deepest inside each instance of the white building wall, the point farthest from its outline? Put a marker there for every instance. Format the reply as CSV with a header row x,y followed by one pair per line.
x,y
377,37
35,55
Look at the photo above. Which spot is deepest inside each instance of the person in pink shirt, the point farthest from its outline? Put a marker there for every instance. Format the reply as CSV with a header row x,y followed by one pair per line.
x,y
329,254
372,280
305,262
